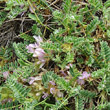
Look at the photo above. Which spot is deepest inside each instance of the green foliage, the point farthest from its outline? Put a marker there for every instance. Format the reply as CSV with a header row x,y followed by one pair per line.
x,y
67,6
10,105
16,2
73,71
51,46
13,8
87,94
77,41
63,84
26,71
36,30
19,91
79,103
105,52
27,37
36,18
9,66
29,106
70,57
96,3
56,38
102,25
6,53
20,50
48,77
92,26
76,34
98,73
3,15
14,12
58,15
107,4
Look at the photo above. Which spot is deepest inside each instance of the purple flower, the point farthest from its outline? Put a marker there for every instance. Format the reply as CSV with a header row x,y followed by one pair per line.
x,y
52,82
45,95
32,79
52,90
38,39
37,50
80,81
63,73
24,80
31,47
83,76
6,74
68,66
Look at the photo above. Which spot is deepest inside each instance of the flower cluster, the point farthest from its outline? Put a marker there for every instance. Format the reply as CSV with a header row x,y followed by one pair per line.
x,y
6,74
52,90
45,95
84,76
37,51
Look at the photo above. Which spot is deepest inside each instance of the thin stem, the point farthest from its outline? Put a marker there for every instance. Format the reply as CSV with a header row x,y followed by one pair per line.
x,y
37,18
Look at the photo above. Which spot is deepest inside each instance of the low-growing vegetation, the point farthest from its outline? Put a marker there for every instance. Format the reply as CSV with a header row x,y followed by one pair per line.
x,y
54,55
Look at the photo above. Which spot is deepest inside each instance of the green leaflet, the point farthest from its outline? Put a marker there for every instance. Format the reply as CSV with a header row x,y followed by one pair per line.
x,y
19,91
105,51
36,30
14,12
92,26
16,2
107,4
79,103
96,3
20,50
67,6
52,46
10,105
87,94
3,16
9,66
102,25
27,37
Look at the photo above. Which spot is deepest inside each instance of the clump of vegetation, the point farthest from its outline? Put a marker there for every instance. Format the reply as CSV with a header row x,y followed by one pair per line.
x,y
54,55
